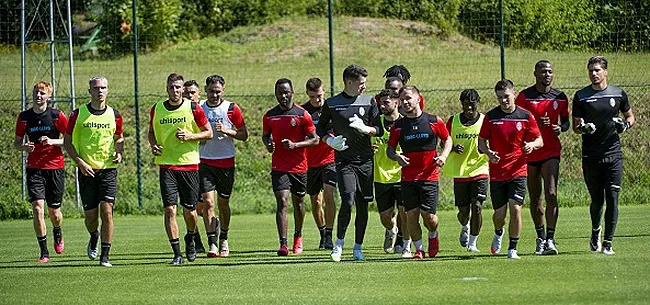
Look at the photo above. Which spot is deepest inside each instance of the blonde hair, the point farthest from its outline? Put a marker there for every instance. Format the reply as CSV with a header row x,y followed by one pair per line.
x,y
45,85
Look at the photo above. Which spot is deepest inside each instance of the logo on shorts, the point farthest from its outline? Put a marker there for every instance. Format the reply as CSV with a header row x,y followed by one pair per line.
x,y
612,102
555,105
293,122
361,111
519,126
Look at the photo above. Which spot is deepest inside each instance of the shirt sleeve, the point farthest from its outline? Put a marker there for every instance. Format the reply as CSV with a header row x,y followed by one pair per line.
x,y
21,127
72,122
486,127
376,120
533,129
199,115
625,103
308,127
421,102
119,129
451,118
62,123
577,109
236,117
152,112
324,121
441,129
395,132
266,128
520,100
564,104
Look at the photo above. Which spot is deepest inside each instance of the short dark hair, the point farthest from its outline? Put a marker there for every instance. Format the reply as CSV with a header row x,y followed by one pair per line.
x,y
174,77
391,79
400,72
214,79
504,84
597,60
313,84
413,89
393,94
354,72
190,83
283,81
541,63
470,95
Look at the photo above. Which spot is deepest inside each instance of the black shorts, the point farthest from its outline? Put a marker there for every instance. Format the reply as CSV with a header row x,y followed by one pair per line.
x,y
102,187
48,184
470,191
604,173
388,196
216,178
502,191
541,162
355,177
420,194
295,182
319,176
183,184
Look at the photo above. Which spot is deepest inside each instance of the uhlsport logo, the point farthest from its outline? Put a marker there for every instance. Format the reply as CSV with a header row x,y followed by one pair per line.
x,y
172,121
96,125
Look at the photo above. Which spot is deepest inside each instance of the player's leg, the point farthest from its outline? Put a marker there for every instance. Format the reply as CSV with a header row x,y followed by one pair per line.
x,y
411,200
517,193
54,189
534,184
550,173
298,191
106,214
364,196
329,187
225,184
210,222
36,191
385,207
396,190
169,190
347,188
595,185
462,202
189,195
282,203
478,195
428,208
314,187
614,174
499,195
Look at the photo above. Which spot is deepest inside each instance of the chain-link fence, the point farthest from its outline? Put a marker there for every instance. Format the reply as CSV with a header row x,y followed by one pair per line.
x,y
442,59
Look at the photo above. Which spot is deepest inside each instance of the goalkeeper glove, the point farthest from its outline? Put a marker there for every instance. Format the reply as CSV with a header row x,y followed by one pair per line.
x,y
357,123
588,128
620,124
338,143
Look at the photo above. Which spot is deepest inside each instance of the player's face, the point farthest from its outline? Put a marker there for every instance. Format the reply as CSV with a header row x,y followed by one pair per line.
x,y
597,73
284,94
506,99
40,96
98,91
192,93
394,85
358,84
214,91
410,101
175,91
544,75
387,105
316,97
470,109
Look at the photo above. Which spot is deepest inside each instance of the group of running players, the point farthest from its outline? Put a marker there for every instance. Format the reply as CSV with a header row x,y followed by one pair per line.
x,y
354,141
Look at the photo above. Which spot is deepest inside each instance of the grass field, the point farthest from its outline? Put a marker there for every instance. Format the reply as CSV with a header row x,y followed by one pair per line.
x,y
254,275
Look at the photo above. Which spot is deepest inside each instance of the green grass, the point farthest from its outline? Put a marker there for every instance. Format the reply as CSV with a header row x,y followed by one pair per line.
x,y
252,58
254,275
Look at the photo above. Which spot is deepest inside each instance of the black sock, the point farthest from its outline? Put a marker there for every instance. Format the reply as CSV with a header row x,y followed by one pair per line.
x,y
513,243
57,234
191,232
321,230
399,240
223,234
607,243
540,233
94,237
283,241
42,243
328,232
498,232
297,234
106,248
212,238
550,233
176,246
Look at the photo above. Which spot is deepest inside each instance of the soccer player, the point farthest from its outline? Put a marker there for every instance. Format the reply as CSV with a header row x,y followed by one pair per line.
x,y
217,168
94,141
387,175
348,115
547,104
321,172
191,91
596,116
287,131
176,127
468,167
418,134
43,126
398,76
507,135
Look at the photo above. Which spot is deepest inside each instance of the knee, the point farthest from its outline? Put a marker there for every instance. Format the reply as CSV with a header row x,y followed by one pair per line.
x,y
170,211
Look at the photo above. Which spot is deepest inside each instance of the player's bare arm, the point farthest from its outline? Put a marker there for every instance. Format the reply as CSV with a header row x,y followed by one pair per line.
x,y
26,146
309,141
393,155
483,147
533,145
268,142
446,149
204,134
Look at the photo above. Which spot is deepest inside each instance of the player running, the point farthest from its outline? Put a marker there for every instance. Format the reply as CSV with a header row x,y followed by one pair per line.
x,y
547,104
43,126
418,134
95,142
468,167
321,172
176,127
287,129
596,116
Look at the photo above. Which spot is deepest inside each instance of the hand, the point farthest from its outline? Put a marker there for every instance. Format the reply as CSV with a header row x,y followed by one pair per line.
x,y
270,146
557,129
182,134
117,158
620,124
84,168
375,147
156,150
288,144
403,160
493,156
338,143
45,140
588,128
459,148
528,147
28,147
220,127
440,161
545,121
357,123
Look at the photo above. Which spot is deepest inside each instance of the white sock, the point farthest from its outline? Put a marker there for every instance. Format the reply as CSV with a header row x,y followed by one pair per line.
x,y
433,234
466,226
339,243
407,244
418,245
472,240
394,230
356,246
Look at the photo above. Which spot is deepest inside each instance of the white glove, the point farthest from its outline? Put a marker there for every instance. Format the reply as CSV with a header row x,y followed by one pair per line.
x,y
588,128
357,123
338,143
620,124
